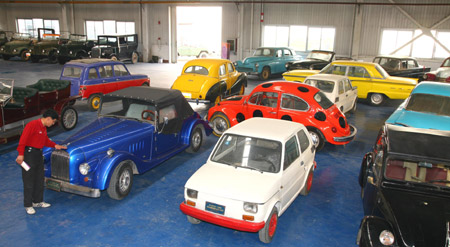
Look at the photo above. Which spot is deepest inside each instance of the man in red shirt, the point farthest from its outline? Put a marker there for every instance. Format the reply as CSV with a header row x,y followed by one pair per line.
x,y
32,140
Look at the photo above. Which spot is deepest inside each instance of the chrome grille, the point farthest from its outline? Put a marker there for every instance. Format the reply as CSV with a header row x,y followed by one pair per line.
x,y
60,161
95,52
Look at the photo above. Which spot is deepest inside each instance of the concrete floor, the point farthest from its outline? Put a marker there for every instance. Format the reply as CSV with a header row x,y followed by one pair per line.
x,y
150,215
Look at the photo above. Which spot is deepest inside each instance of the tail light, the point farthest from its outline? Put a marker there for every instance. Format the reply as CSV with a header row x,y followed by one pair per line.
x,y
430,77
448,79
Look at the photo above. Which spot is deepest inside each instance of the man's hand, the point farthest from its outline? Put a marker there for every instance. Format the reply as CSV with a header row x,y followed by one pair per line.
x,y
19,159
60,147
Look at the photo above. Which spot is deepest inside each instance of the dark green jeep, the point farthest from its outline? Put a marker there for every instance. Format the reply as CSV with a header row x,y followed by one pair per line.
x,y
47,46
19,45
77,47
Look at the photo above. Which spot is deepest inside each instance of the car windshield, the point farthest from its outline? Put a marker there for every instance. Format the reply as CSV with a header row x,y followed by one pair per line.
x,y
127,108
107,40
424,171
322,100
195,69
6,86
390,63
2,35
21,36
326,56
263,52
429,103
326,86
72,72
446,63
445,73
248,152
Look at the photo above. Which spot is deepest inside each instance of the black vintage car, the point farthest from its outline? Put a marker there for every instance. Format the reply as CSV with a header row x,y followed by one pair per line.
x,y
405,188
117,47
316,60
77,47
401,66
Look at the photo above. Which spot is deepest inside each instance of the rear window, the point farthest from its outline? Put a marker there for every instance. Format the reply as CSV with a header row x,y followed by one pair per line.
x,y
322,100
326,86
429,103
72,72
196,70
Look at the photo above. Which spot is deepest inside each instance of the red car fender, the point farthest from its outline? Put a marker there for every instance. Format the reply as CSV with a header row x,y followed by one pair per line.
x,y
231,114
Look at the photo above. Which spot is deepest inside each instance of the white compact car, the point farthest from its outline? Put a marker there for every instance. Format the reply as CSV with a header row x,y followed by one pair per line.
x,y
337,88
256,170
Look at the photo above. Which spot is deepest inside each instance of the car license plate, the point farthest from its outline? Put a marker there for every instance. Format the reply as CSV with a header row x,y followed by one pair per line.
x,y
54,185
187,95
215,208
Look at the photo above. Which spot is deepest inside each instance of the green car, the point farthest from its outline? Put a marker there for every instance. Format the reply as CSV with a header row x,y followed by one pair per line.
x,y
19,46
47,46
77,47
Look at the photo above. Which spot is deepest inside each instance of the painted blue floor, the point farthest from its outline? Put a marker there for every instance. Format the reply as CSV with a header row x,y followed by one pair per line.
x,y
150,215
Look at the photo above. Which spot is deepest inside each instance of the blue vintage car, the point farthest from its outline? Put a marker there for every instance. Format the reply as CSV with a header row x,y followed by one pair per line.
x,y
428,107
266,61
137,128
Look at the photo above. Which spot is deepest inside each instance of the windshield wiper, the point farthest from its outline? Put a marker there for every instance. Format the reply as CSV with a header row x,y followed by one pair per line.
x,y
253,168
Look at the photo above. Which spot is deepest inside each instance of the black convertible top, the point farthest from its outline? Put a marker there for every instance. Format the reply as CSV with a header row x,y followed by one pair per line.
x,y
410,141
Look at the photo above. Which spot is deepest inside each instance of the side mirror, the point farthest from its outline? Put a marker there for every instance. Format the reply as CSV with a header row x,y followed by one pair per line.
x,y
355,87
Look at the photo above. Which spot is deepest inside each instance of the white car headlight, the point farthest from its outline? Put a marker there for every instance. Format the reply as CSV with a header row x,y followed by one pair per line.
x,y
14,50
250,207
386,237
256,65
84,168
192,193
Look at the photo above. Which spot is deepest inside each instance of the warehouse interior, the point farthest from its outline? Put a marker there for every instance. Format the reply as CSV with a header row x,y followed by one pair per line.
x,y
150,216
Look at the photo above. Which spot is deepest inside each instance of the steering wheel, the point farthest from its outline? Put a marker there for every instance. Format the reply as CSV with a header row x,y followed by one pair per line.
x,y
147,115
272,166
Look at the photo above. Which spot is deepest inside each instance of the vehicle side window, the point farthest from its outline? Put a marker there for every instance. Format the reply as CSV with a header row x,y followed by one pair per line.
x,y
108,71
93,73
255,98
120,70
130,39
287,52
304,141
412,64
291,152
341,87
357,71
293,103
336,70
222,69
102,72
168,112
73,72
264,99
122,40
279,53
230,68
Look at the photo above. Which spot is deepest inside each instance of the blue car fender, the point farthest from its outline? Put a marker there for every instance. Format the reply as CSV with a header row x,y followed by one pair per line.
x,y
187,131
107,165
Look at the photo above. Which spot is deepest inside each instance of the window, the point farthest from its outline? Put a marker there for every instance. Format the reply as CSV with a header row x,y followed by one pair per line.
x,y
31,25
168,112
304,141
290,152
264,99
301,38
222,70
357,71
230,68
96,28
287,52
120,70
73,72
196,70
429,103
334,69
293,103
326,86
93,73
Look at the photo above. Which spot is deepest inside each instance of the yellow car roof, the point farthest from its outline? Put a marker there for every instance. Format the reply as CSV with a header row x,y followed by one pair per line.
x,y
345,62
211,64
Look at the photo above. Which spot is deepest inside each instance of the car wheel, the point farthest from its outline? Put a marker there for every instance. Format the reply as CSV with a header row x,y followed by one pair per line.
x,y
317,138
193,220
196,140
121,181
69,118
23,55
265,73
94,102
134,57
220,123
242,91
376,99
114,58
145,84
266,234
353,110
308,184
52,58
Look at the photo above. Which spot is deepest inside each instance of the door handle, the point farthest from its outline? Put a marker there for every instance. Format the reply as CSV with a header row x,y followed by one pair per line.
x,y
302,163
273,112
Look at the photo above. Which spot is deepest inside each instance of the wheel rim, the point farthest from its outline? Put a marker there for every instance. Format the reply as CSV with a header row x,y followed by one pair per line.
x,y
265,74
376,98
241,92
69,118
196,139
309,182
95,102
124,180
220,125
315,138
273,224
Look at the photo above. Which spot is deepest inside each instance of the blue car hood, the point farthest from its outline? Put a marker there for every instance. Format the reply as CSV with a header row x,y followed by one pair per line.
x,y
107,133
419,120
257,59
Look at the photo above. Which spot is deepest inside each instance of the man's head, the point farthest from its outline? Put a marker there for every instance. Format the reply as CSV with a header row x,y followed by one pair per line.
x,y
49,117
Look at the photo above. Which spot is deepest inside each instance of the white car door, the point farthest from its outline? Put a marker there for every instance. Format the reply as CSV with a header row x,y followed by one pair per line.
x,y
340,96
350,94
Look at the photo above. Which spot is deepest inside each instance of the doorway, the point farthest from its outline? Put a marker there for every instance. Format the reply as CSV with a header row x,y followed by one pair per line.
x,y
199,32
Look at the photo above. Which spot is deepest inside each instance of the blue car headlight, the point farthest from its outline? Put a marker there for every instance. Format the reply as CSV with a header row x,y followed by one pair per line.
x,y
84,168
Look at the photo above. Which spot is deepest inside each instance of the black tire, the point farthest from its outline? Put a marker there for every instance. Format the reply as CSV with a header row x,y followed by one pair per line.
x,y
121,181
94,102
265,73
196,140
69,118
193,220
220,123
145,84
52,57
266,234
6,57
353,110
134,57
34,59
317,138
242,90
23,55
376,99
307,188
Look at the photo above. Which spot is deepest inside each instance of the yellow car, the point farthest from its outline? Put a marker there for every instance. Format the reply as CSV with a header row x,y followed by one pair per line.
x,y
210,80
373,82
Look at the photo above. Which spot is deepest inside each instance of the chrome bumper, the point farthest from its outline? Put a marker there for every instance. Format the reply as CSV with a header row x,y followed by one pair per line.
x,y
350,137
75,189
